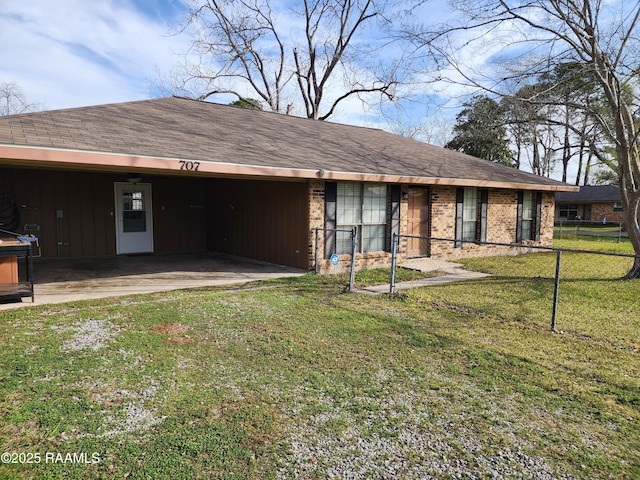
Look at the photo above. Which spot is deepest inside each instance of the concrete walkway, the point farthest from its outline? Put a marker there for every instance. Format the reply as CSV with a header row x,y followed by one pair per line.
x,y
67,280
451,272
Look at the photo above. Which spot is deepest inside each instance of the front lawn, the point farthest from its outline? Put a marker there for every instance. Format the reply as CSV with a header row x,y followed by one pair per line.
x,y
296,379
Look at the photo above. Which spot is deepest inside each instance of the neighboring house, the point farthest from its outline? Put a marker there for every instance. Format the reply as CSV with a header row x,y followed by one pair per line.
x,y
593,203
174,175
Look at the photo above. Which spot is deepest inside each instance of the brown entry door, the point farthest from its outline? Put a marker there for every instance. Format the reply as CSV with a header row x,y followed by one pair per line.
x,y
418,222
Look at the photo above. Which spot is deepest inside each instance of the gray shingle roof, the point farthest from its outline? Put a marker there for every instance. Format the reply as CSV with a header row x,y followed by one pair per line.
x,y
191,130
591,193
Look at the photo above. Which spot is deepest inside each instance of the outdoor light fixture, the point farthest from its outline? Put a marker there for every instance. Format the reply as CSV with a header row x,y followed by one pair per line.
x,y
321,173
134,178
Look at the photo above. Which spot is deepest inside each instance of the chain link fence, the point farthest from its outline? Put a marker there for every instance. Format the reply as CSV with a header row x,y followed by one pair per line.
x,y
571,282
604,229
329,241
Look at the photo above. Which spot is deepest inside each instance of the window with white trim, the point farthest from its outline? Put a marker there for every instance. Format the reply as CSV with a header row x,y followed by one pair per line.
x,y
470,214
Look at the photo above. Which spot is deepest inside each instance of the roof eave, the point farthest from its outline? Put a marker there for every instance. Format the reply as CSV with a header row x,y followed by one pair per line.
x,y
103,161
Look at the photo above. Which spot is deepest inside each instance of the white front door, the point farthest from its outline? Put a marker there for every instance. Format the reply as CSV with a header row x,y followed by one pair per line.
x,y
134,222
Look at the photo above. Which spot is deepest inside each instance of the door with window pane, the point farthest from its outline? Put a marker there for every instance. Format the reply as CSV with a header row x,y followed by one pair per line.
x,y
134,227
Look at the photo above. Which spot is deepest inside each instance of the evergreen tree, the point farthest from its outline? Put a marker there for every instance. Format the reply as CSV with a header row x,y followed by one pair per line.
x,y
480,131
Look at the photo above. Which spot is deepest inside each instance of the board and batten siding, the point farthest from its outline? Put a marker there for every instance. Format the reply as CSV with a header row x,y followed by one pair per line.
x,y
76,210
263,220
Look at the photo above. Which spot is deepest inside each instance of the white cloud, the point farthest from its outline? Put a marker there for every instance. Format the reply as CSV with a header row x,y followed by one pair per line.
x,y
72,52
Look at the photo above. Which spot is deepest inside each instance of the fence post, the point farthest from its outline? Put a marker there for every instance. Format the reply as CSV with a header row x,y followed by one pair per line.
x,y
354,234
555,291
394,249
316,256
620,233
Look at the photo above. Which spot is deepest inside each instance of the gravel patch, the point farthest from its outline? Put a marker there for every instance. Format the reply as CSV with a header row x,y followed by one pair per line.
x,y
406,435
90,335
137,418
123,411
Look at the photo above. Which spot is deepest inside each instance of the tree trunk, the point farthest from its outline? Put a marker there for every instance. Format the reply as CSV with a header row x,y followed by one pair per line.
x,y
566,148
580,160
631,203
628,156
587,168
634,273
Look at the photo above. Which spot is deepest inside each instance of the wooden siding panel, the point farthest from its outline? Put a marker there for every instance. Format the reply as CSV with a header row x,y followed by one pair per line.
x,y
48,224
86,200
88,217
179,214
266,220
41,193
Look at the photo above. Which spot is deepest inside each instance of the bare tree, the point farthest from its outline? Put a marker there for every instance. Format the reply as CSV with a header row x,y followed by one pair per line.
x,y
532,133
434,128
310,59
13,101
548,106
600,37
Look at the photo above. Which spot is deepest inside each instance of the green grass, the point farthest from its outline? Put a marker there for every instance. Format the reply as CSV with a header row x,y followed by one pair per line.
x,y
609,227
294,377
593,242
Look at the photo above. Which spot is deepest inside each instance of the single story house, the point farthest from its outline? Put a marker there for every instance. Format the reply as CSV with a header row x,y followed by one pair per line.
x,y
593,203
174,175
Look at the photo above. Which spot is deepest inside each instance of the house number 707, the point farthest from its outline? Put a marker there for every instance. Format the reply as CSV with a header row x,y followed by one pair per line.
x,y
191,166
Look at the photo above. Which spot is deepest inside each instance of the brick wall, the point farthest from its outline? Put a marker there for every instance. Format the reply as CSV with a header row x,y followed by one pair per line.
x,y
502,212
316,219
600,211
501,226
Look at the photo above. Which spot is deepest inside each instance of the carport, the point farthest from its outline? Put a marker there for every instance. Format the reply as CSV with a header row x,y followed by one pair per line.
x,y
71,279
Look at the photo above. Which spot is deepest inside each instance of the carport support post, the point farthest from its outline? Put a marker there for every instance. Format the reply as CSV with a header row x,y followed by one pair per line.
x,y
555,291
352,277
394,250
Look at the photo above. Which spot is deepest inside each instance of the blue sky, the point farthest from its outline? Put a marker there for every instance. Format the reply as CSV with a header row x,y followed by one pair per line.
x,y
70,53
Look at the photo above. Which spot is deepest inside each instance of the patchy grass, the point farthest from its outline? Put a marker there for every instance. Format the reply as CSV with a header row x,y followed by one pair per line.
x,y
381,276
294,378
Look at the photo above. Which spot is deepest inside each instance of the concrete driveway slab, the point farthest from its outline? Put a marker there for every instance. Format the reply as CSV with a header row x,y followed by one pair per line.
x,y
67,280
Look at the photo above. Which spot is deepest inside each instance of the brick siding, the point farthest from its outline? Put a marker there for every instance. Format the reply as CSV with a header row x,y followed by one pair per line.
x,y
600,211
501,227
